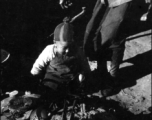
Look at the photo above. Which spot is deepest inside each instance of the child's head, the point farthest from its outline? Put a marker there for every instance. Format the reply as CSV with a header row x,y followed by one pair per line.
x,y
63,36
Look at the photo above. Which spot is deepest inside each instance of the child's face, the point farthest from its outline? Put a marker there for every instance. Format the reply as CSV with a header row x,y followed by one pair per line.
x,y
62,46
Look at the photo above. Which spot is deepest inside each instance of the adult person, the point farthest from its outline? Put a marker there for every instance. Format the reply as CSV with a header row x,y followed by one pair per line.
x,y
103,30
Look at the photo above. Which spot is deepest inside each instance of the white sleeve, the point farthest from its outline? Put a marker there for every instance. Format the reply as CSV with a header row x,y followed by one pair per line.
x,y
42,60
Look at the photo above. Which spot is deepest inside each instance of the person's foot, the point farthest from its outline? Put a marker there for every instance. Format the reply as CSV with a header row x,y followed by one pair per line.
x,y
111,84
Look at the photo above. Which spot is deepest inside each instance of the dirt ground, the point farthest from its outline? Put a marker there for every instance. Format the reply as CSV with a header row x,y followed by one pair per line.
x,y
135,93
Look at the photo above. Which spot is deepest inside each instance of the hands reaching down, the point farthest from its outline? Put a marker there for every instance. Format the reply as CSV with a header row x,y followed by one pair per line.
x,y
65,3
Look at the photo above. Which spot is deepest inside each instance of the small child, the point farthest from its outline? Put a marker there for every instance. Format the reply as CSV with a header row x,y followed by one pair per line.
x,y
62,61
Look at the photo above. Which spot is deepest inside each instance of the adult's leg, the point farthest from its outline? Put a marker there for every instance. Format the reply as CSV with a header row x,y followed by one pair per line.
x,y
109,33
91,27
117,57
109,28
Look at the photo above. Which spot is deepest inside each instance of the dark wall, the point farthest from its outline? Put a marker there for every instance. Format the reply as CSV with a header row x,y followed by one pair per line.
x,y
26,24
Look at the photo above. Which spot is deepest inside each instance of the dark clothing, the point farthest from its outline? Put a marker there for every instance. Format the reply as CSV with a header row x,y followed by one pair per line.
x,y
105,34
63,67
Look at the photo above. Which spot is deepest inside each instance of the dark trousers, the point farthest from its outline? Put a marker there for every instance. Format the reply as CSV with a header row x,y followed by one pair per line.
x,y
102,35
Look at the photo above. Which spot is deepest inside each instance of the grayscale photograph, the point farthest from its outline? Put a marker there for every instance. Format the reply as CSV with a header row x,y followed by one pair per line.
x,y
76,59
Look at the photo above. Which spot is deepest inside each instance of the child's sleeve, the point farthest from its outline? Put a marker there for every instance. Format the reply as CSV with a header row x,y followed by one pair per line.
x,y
83,61
42,60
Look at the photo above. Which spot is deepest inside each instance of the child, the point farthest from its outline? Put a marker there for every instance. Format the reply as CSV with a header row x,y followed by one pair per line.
x,y
63,60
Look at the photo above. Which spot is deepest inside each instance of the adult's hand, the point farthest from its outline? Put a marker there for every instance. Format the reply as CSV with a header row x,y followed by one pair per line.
x,y
65,3
144,16
148,1
103,1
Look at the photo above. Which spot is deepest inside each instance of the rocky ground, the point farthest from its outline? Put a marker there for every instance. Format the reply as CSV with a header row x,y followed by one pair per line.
x,y
135,92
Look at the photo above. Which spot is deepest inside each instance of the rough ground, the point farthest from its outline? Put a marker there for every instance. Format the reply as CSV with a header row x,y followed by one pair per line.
x,y
135,93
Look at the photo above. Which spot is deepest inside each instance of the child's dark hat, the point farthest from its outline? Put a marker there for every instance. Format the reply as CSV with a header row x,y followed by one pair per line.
x,y
64,31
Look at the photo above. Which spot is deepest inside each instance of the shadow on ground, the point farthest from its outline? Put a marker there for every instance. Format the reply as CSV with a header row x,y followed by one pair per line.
x,y
124,114
141,67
